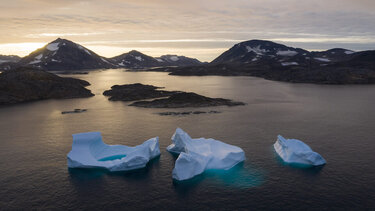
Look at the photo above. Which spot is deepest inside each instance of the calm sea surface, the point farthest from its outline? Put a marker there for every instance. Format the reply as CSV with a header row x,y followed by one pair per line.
x,y
336,121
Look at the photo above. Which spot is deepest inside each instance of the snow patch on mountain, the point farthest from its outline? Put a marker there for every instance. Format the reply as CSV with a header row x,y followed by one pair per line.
x,y
37,59
322,59
39,56
349,52
105,61
54,60
53,46
139,58
256,50
174,58
287,53
289,63
35,62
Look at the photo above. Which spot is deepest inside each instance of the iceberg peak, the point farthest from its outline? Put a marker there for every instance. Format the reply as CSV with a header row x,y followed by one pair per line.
x,y
89,151
197,155
294,151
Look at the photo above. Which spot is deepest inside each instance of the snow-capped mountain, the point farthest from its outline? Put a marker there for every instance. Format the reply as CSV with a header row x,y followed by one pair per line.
x,y
258,52
63,54
135,60
332,55
278,62
255,51
174,60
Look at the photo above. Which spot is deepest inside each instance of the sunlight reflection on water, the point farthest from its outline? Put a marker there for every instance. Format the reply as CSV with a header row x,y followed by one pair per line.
x,y
337,120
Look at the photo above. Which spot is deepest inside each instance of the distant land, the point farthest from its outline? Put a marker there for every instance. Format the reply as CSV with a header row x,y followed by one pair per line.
x,y
162,98
259,58
278,62
9,58
65,55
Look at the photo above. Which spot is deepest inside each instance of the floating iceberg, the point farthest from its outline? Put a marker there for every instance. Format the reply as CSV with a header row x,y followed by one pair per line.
x,y
89,151
296,152
197,155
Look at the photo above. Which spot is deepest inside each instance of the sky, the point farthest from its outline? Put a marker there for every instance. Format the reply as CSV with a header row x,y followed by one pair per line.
x,y
201,29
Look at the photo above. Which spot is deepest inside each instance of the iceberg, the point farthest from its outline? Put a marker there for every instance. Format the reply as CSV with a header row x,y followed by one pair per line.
x,y
198,155
89,151
294,151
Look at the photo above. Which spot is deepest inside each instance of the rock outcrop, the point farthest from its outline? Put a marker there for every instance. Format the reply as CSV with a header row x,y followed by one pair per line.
x,y
25,84
186,99
132,92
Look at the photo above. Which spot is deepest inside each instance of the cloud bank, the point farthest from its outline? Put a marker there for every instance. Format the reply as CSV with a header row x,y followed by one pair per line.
x,y
207,26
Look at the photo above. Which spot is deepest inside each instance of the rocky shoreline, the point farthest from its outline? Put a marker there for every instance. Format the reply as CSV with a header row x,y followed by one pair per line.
x,y
26,84
330,74
184,113
165,99
137,91
186,99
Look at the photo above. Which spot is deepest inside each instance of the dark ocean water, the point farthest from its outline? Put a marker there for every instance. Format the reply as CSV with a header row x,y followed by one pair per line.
x,y
336,121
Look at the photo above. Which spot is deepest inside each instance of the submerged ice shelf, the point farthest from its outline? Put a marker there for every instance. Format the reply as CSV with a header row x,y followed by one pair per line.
x,y
89,151
294,151
198,155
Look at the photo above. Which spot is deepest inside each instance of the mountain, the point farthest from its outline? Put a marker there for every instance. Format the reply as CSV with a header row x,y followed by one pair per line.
x,y
63,54
135,60
8,62
9,58
278,62
174,60
333,55
261,52
26,84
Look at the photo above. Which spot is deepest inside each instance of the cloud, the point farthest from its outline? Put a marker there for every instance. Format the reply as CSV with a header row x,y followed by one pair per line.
x,y
62,34
180,24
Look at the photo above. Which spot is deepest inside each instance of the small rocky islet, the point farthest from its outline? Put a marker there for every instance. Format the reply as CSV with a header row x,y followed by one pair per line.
x,y
186,99
28,84
184,113
137,91
166,99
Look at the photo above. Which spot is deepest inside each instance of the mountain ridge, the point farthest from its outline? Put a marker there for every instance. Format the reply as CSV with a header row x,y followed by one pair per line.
x,y
65,55
260,58
274,61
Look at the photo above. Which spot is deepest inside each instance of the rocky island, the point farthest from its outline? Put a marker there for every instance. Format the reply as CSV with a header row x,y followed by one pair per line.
x,y
166,99
186,99
26,84
137,91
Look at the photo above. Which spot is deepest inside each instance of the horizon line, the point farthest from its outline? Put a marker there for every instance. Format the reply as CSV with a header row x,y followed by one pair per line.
x,y
28,47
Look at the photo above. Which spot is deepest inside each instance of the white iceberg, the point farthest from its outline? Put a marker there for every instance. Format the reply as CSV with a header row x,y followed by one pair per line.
x,y
197,155
294,151
89,151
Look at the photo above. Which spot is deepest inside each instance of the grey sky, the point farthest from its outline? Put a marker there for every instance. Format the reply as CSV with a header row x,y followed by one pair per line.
x,y
201,29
